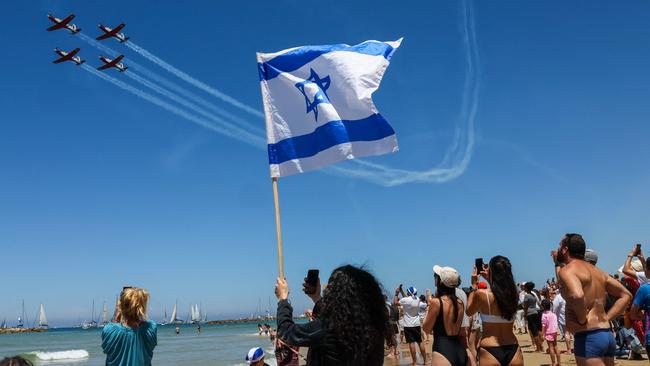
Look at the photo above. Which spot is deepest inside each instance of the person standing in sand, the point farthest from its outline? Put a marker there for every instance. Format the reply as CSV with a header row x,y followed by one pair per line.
x,y
131,340
445,320
550,329
533,315
585,289
497,307
412,330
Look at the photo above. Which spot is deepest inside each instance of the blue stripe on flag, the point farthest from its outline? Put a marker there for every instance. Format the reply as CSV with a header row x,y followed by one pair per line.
x,y
295,59
333,133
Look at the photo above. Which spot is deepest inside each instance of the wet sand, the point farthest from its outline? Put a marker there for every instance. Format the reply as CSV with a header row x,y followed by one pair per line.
x,y
530,357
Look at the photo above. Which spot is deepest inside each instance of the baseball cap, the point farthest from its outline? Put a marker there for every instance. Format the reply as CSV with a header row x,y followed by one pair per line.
x,y
482,285
591,256
254,355
448,276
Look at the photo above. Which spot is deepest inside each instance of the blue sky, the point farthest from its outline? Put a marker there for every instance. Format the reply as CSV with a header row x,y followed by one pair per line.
x,y
99,188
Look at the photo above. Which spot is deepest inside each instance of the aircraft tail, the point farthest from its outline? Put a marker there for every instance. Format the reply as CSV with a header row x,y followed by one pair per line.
x,y
81,62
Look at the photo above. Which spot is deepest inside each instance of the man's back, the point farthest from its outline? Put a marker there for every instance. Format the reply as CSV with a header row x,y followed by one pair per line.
x,y
580,276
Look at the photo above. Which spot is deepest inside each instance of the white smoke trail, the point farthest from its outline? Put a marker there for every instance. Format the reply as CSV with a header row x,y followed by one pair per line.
x,y
460,152
169,107
254,128
258,139
199,84
456,158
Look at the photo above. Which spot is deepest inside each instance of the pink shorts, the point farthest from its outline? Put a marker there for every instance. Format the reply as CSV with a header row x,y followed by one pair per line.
x,y
550,337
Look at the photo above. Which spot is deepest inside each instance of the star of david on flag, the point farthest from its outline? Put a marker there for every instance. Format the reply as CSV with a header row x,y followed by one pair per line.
x,y
318,105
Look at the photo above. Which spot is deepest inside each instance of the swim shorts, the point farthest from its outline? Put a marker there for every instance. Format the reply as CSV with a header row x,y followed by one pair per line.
x,y
413,334
597,343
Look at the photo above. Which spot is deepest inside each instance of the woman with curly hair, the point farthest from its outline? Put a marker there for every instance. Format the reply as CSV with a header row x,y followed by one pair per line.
x,y
351,324
497,306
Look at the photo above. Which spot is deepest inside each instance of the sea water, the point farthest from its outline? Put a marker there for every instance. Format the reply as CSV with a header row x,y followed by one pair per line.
x,y
224,344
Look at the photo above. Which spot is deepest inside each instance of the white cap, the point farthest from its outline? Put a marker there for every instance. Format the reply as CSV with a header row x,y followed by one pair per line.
x,y
448,276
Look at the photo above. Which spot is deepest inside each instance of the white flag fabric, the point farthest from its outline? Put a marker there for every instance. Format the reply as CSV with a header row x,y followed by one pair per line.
x,y
318,105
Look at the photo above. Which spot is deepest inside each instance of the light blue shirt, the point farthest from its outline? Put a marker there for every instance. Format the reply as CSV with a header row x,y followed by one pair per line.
x,y
126,346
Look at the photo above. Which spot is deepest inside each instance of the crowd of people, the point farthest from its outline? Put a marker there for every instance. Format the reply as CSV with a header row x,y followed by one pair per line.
x,y
596,315
588,310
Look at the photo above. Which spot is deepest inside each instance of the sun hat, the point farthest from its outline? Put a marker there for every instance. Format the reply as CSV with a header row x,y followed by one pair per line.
x,y
254,354
448,276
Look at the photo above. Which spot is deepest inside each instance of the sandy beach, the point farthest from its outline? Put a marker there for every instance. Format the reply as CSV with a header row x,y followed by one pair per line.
x,y
530,358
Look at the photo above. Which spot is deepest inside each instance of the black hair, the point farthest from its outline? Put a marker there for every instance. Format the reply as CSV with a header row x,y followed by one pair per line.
x,y
423,298
546,304
576,245
443,290
529,286
503,286
354,310
15,361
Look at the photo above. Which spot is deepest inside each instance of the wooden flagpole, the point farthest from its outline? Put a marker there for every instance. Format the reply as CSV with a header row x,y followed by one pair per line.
x,y
278,227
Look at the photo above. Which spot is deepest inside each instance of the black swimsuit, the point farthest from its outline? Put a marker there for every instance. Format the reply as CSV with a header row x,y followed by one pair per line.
x,y
448,345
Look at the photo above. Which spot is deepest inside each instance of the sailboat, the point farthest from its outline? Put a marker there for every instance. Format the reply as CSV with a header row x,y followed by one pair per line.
x,y
22,317
4,324
92,323
196,313
164,320
42,319
105,318
174,319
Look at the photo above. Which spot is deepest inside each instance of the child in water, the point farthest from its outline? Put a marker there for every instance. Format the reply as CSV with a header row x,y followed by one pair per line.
x,y
549,329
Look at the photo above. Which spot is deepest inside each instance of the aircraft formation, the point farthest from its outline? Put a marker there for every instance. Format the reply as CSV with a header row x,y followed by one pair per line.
x,y
72,55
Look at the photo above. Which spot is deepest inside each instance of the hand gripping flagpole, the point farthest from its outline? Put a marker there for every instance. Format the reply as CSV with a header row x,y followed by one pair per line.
x,y
278,227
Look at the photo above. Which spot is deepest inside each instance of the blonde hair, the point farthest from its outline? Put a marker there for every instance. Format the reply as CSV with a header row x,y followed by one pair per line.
x,y
133,305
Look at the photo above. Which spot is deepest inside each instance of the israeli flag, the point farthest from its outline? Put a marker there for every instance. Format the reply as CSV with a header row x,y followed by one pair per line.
x,y
318,105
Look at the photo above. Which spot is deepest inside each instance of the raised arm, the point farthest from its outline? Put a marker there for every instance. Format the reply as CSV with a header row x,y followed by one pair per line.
x,y
430,319
622,295
627,267
473,303
294,334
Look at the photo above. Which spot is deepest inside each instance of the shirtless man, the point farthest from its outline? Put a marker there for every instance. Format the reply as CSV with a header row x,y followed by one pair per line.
x,y
585,289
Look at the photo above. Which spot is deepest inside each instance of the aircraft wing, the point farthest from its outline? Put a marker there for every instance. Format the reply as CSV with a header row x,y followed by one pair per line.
x,y
111,63
118,28
104,67
61,24
103,36
62,59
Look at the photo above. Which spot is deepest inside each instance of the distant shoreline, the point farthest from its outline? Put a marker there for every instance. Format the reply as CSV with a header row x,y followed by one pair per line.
x,y
21,330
